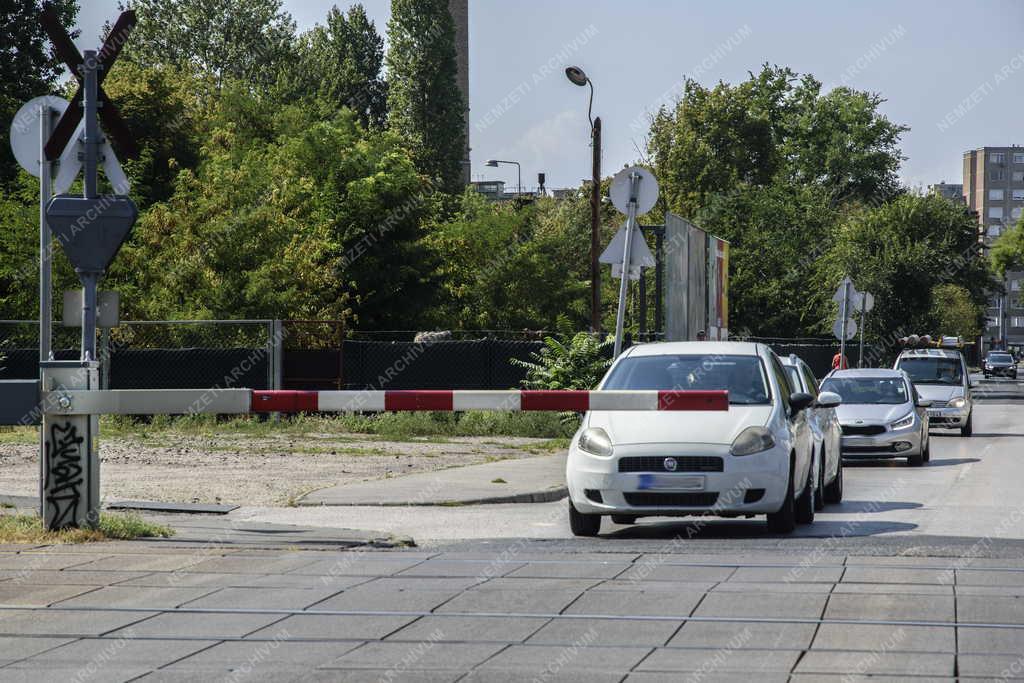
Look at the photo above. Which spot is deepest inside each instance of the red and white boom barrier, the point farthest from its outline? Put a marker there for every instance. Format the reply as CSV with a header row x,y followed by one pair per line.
x,y
239,401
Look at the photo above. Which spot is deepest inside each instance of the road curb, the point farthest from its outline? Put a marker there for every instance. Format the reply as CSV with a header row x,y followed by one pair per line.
x,y
547,496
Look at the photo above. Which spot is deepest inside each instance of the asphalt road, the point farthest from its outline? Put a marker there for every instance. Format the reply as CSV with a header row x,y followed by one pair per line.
x,y
970,489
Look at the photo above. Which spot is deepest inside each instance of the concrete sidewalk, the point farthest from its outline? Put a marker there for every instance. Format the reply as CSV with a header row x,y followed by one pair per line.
x,y
529,480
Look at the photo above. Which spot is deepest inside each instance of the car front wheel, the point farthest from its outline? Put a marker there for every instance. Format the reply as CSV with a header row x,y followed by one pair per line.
x,y
784,521
819,493
968,427
581,524
805,504
834,491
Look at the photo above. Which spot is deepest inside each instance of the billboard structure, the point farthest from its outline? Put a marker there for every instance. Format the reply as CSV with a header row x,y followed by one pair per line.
x,y
696,290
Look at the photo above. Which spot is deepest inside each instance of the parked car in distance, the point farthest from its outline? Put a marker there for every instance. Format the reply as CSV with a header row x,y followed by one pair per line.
x,y
942,377
826,430
999,364
881,415
753,459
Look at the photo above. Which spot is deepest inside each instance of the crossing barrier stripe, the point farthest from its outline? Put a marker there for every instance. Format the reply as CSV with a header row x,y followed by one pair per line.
x,y
239,401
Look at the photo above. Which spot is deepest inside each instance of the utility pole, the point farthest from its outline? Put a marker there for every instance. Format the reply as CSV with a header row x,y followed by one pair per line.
x,y
595,230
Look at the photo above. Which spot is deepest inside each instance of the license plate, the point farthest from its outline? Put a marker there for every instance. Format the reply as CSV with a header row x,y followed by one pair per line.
x,y
674,482
934,413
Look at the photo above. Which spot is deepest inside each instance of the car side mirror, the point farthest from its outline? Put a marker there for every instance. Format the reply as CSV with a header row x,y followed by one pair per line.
x,y
924,403
829,399
799,400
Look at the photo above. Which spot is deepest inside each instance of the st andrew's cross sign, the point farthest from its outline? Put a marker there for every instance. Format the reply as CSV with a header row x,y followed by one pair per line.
x,y
65,49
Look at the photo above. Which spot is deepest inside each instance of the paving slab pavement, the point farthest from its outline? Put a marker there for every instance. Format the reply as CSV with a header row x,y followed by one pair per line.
x,y
360,613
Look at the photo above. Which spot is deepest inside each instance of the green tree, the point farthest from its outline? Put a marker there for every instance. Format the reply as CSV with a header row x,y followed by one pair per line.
x,y
777,234
320,222
29,68
955,312
775,125
494,259
340,63
425,105
164,113
1008,251
246,40
19,252
901,251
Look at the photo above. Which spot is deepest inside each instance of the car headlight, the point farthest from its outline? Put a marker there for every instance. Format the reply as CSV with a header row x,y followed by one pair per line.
x,y
903,422
752,440
958,402
596,442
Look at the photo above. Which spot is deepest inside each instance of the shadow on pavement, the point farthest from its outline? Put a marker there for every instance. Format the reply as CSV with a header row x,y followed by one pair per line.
x,y
752,528
848,506
1000,435
902,463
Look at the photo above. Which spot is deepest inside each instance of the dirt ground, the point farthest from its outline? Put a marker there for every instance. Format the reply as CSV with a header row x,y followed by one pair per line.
x,y
258,470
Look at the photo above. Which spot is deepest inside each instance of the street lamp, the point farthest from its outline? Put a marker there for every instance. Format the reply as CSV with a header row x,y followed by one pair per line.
x,y
493,163
578,77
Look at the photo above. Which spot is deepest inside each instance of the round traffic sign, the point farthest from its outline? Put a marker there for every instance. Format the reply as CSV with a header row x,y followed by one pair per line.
x,y
647,193
25,130
851,329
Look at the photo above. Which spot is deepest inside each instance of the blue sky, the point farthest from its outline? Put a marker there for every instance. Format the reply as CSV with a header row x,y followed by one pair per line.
x,y
952,71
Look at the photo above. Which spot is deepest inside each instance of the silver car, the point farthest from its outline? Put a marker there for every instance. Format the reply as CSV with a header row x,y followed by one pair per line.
x,y
882,415
941,377
825,427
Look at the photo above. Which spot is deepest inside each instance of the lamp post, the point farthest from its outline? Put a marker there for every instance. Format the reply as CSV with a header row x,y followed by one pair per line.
x,y
493,163
578,77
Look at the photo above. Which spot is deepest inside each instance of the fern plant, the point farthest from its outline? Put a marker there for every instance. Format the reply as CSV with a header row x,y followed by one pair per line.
x,y
578,364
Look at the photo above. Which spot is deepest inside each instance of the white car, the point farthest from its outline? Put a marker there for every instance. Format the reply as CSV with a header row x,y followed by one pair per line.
x,y
941,376
753,459
828,433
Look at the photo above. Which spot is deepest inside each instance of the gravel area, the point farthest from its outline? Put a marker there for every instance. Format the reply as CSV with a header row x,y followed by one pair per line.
x,y
266,470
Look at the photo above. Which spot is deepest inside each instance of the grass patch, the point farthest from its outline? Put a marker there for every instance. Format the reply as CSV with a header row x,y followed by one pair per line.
x,y
411,426
25,528
19,436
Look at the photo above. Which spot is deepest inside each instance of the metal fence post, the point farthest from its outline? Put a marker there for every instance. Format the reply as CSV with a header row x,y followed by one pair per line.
x,y
70,490
275,359
104,354
278,355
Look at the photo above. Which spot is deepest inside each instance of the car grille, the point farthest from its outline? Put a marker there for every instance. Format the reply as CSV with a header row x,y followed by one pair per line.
x,y
689,463
863,430
869,449
939,404
669,499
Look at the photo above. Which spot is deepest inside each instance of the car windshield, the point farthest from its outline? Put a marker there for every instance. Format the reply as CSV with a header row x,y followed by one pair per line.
x,y
1000,358
868,390
742,376
933,370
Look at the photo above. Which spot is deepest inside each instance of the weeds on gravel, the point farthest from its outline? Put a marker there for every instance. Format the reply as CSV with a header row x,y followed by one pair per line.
x,y
27,528
391,426
19,436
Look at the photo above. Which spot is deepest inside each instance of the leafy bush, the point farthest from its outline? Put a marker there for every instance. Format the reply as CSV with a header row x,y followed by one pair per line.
x,y
580,364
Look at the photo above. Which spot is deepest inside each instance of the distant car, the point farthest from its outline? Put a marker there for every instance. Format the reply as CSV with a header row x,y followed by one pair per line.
x,y
752,459
999,364
826,430
942,377
881,415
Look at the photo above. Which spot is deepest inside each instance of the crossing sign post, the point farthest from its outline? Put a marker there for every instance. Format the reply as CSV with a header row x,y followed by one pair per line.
x,y
90,229
634,192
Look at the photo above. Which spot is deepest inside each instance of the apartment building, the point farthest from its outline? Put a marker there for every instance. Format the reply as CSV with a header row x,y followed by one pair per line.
x,y
954,192
994,188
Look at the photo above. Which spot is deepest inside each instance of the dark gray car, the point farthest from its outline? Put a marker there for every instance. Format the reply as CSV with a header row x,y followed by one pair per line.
x,y
999,364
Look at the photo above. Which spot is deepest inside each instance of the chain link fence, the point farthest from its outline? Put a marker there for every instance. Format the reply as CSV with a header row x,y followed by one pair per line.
x,y
323,354
155,354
